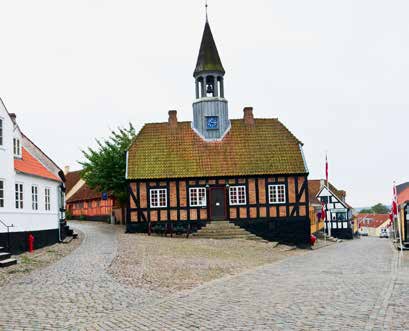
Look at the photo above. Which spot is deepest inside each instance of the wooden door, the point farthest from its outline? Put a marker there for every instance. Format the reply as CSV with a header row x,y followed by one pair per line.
x,y
217,205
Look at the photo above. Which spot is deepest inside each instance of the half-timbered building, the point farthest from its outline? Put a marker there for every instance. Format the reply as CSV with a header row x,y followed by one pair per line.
x,y
249,171
338,219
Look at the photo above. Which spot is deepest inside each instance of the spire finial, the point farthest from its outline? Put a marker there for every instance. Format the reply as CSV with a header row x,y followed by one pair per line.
x,y
206,6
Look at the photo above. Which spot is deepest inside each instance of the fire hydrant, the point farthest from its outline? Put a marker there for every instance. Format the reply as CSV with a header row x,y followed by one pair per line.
x,y
30,243
313,239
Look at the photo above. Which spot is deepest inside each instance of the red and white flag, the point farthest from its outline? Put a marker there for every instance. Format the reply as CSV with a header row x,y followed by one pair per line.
x,y
395,201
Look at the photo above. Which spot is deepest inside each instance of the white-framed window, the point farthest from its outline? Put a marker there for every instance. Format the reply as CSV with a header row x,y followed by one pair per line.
x,y
47,198
1,132
197,196
19,196
237,195
34,197
334,225
2,188
159,198
16,147
345,225
276,194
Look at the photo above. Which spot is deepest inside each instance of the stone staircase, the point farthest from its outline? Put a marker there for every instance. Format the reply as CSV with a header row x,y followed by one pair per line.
x,y
224,230
5,259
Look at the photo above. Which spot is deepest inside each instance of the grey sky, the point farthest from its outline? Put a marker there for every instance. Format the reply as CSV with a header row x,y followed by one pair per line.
x,y
335,72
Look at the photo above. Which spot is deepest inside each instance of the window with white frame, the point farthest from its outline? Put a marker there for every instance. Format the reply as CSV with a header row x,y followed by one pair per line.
x,y
197,197
47,198
237,195
158,198
19,196
34,197
276,194
17,147
1,132
1,193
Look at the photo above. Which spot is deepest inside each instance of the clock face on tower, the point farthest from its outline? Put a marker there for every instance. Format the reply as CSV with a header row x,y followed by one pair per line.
x,y
212,122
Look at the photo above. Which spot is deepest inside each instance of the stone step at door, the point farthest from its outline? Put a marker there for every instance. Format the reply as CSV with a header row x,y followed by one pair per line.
x,y
6,260
224,230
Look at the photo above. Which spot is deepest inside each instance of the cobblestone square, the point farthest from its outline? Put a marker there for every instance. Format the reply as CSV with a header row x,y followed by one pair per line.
x,y
357,285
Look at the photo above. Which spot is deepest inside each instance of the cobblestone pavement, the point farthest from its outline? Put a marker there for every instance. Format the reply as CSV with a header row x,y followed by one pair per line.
x,y
73,292
359,285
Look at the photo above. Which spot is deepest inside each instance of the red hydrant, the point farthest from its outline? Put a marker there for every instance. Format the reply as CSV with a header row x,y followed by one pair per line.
x,y
30,243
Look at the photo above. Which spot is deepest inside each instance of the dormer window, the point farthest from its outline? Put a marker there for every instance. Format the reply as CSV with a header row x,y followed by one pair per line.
x,y
17,147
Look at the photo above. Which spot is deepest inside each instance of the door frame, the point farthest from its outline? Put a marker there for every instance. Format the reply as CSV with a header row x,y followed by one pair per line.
x,y
210,209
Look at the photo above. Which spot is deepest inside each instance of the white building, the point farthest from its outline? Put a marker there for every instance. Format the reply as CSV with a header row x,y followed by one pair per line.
x,y
339,221
31,189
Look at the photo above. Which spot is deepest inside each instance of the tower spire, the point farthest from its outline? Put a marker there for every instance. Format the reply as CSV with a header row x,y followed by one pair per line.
x,y
207,6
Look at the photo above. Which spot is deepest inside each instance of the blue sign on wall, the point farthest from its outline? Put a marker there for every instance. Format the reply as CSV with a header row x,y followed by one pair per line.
x,y
104,196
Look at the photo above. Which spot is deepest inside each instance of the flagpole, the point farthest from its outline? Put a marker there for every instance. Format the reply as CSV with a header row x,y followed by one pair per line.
x,y
329,225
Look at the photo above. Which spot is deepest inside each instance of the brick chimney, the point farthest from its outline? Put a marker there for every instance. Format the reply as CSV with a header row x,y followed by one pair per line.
x,y
343,195
173,118
248,116
13,117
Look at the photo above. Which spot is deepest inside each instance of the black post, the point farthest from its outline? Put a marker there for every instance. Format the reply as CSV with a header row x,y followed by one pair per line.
x,y
8,239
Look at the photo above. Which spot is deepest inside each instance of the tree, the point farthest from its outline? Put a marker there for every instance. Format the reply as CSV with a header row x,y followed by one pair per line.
x,y
366,211
104,168
376,209
380,209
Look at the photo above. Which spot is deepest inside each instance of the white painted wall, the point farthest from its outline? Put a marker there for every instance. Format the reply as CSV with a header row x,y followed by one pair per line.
x,y
25,219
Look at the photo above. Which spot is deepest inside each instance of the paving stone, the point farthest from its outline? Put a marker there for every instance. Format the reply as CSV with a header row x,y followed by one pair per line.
x,y
355,285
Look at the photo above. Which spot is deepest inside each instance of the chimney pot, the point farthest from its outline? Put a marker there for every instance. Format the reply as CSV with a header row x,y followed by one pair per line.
x,y
13,117
248,116
173,118
66,169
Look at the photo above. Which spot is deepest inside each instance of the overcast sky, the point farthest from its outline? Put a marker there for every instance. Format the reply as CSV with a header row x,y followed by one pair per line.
x,y
335,72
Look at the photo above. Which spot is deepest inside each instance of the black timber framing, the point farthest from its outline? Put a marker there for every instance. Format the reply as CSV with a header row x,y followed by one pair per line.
x,y
292,209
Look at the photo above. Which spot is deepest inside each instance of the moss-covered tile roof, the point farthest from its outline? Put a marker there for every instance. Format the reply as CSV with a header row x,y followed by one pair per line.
x,y
160,151
208,59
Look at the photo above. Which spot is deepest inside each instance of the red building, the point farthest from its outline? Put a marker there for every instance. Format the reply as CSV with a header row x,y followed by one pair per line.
x,y
86,203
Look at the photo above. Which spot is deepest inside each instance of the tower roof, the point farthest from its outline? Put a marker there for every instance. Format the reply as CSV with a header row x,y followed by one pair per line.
x,y
208,59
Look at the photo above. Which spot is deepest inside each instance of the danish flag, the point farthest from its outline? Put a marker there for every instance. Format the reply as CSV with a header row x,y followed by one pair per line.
x,y
394,211
395,201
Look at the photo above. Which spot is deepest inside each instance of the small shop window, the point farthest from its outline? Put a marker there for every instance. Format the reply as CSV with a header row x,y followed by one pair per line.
x,y
16,147
197,197
276,194
237,195
19,196
34,197
158,198
47,195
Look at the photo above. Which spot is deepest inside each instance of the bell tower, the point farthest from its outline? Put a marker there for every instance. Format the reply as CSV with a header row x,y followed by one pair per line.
x,y
210,109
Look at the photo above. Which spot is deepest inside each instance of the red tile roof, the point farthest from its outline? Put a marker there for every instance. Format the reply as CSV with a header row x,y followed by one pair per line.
x,y
314,187
86,193
403,195
71,179
372,220
31,166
